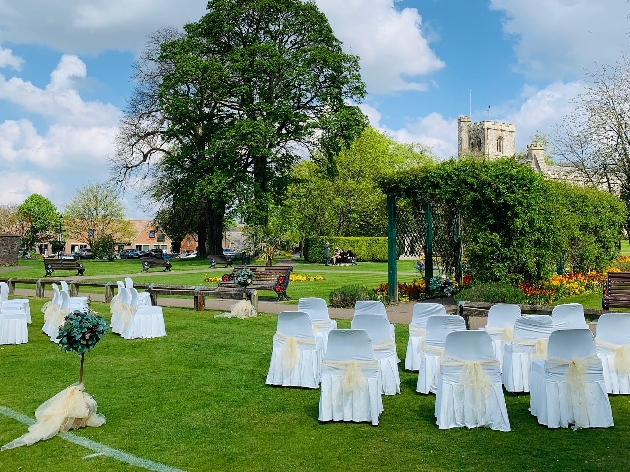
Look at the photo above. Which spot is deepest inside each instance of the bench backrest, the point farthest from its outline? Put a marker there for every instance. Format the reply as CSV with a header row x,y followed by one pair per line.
x,y
618,283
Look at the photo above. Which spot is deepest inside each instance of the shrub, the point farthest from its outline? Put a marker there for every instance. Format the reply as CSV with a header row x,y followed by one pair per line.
x,y
492,293
347,296
365,248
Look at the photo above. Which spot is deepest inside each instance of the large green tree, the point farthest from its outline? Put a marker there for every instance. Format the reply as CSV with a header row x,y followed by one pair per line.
x,y
233,102
348,201
95,212
40,220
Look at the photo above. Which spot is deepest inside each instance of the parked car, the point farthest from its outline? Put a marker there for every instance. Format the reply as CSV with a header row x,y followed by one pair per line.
x,y
190,255
155,253
228,251
130,254
84,254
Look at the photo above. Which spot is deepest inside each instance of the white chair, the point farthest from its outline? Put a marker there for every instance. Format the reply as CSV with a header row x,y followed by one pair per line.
x,y
317,309
569,388
52,325
21,304
79,301
613,348
568,316
418,332
296,359
370,307
500,326
74,303
13,327
531,334
469,389
350,387
438,327
122,311
144,298
378,328
145,322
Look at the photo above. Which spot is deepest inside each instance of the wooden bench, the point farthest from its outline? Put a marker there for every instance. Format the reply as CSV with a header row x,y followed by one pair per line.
x,y
215,259
53,264
274,278
616,290
149,262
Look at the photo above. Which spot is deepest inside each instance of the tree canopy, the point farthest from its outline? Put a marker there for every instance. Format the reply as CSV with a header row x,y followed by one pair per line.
x,y
40,220
227,107
95,212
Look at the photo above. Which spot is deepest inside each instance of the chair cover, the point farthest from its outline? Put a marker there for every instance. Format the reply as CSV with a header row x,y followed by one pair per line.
x,y
52,324
144,298
613,348
13,327
568,387
80,301
296,359
531,334
145,321
438,327
350,389
317,309
19,303
122,311
568,316
469,390
500,327
418,332
369,307
378,328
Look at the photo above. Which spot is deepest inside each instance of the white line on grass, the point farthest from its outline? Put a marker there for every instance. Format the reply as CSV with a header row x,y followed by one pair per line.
x,y
99,448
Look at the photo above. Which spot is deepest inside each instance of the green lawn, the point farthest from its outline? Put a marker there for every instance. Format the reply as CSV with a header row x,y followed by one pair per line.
x,y
196,400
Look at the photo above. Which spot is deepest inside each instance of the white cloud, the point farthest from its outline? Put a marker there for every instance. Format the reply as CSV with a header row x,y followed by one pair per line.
x,y
81,26
63,154
17,186
558,37
7,59
394,51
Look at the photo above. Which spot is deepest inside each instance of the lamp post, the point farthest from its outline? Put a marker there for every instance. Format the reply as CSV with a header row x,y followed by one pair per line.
x,y
61,250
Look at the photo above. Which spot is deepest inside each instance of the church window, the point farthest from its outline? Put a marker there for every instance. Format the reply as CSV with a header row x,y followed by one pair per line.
x,y
500,144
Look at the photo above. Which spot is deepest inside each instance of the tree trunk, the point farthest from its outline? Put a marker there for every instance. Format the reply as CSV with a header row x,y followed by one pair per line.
x,y
202,229
261,192
81,370
216,216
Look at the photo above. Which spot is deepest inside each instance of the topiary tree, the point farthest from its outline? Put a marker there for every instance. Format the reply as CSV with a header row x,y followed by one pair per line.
x,y
104,247
80,332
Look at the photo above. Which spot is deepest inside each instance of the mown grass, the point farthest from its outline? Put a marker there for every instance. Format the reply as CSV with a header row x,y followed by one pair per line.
x,y
197,400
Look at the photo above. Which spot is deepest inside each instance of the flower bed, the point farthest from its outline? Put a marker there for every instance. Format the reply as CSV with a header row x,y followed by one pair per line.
x,y
306,278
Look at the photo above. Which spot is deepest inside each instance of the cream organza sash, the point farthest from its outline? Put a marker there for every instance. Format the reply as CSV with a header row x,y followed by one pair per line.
x,y
291,351
126,313
435,350
50,311
352,376
116,305
320,326
507,332
474,376
576,376
71,408
385,345
540,346
417,332
622,354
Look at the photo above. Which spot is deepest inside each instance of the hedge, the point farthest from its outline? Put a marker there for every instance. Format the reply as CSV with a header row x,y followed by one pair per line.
x,y
365,248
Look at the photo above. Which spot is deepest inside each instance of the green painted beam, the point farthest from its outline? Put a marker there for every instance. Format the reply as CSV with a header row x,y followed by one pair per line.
x,y
392,256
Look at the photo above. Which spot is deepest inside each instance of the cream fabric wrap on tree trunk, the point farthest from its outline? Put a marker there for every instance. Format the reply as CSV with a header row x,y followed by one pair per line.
x,y
622,354
540,346
291,350
475,377
71,408
576,376
506,331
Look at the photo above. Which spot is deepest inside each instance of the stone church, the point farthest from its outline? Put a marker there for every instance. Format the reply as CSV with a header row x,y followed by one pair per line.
x,y
495,139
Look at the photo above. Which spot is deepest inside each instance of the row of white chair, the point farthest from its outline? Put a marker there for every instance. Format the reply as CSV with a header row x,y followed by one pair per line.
x,y
56,310
15,315
133,316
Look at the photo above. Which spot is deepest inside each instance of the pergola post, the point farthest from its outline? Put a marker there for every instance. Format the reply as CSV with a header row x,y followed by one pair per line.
x,y
428,256
392,256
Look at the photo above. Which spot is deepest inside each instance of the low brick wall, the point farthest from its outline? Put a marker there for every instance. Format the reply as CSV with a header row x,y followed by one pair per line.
x,y
9,249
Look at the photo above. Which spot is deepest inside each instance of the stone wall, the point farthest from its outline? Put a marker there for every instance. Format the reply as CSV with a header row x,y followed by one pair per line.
x,y
483,138
9,249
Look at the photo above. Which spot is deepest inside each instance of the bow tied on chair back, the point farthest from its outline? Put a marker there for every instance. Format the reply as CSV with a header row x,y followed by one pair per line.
x,y
507,332
540,346
622,354
476,377
576,377
291,350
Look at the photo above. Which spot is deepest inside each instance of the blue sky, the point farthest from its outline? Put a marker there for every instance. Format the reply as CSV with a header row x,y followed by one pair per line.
x,y
65,68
